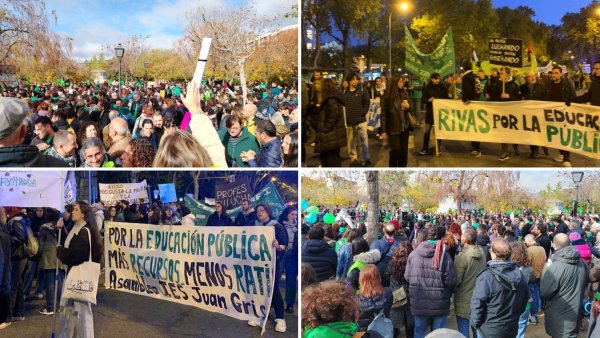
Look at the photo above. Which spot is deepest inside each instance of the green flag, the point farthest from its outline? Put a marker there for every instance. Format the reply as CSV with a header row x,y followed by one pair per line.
x,y
441,60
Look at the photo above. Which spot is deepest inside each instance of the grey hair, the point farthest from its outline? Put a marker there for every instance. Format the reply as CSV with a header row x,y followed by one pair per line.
x,y
90,142
113,113
120,128
60,137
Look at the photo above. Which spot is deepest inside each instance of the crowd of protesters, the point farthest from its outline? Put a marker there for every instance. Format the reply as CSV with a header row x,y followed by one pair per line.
x,y
19,267
494,274
335,114
92,126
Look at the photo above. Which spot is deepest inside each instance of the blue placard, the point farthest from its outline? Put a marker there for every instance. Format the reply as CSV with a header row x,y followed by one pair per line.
x,y
167,193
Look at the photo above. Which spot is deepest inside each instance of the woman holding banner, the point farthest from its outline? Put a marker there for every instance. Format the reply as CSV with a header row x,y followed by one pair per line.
x,y
264,217
75,251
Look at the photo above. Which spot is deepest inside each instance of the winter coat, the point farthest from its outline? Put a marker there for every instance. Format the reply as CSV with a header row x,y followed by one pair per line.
x,y
584,249
468,87
469,263
245,219
359,261
595,278
536,256
545,243
48,238
219,220
563,286
280,235
246,142
17,232
535,92
593,94
344,261
269,156
24,155
568,93
499,298
321,257
437,92
79,248
331,129
5,264
331,330
357,105
430,289
393,117
370,307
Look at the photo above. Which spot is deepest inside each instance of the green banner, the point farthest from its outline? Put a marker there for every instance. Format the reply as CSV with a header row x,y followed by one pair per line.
x,y
267,195
441,60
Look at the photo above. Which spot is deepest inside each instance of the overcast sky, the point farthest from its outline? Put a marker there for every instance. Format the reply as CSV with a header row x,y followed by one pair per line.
x,y
93,23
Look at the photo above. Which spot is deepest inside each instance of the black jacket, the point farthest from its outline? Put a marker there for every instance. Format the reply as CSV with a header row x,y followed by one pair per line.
x,y
269,155
27,156
593,94
567,89
5,252
545,243
321,257
243,220
468,87
357,106
331,131
370,307
393,117
510,88
499,298
536,92
78,251
216,220
438,92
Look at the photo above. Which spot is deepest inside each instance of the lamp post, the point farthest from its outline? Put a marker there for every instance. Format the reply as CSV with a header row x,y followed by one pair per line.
x,y
403,8
577,177
119,52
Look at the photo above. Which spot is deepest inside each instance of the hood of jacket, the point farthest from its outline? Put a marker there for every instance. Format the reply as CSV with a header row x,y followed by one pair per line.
x,y
334,95
425,249
315,247
369,257
19,155
506,272
568,255
475,252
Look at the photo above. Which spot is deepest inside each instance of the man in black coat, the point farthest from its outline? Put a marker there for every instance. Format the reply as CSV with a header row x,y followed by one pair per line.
x,y
593,94
357,102
560,89
500,295
319,254
469,93
247,216
433,90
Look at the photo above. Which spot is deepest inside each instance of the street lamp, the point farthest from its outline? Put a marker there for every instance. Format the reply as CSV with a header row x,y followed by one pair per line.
x,y
577,177
119,52
404,8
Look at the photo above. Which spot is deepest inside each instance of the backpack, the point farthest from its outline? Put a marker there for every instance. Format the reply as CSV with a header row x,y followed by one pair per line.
x,y
383,263
382,325
33,246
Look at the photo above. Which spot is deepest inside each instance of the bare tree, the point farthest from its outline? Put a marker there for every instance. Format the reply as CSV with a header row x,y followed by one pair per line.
x,y
372,205
196,177
235,33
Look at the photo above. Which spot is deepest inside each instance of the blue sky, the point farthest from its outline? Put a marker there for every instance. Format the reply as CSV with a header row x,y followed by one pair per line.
x,y
93,23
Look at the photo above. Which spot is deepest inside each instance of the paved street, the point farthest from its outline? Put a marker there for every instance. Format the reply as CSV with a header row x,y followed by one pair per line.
x,y
120,314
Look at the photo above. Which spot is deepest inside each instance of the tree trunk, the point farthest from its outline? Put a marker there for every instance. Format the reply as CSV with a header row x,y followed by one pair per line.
x,y
317,48
372,205
243,81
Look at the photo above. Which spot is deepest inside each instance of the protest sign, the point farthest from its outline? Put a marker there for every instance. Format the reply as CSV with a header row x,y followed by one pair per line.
x,y
267,195
70,193
231,195
374,114
167,193
228,270
574,128
33,189
441,60
506,52
112,193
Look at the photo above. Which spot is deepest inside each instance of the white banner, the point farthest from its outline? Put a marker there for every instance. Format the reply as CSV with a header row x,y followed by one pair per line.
x,y
229,270
374,114
543,123
112,193
32,189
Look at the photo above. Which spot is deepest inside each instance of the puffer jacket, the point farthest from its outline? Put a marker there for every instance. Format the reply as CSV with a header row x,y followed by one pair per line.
x,y
430,289
584,249
563,286
321,257
27,156
369,307
393,117
357,105
500,297
48,238
331,131
269,156
360,260
469,263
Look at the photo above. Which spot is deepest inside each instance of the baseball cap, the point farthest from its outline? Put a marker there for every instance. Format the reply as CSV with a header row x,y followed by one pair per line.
x,y
12,113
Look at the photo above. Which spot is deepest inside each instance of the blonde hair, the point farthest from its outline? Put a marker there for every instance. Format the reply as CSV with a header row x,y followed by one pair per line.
x,y
180,149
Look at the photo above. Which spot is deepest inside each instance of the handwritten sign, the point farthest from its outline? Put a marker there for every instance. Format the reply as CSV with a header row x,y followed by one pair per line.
x,y
112,193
